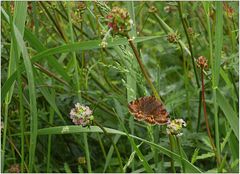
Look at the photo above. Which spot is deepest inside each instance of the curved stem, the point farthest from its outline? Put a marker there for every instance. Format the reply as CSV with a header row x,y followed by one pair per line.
x,y
144,71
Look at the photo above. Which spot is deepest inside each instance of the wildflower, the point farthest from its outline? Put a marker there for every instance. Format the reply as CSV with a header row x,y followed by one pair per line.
x,y
202,62
81,115
14,168
119,20
173,37
174,127
152,9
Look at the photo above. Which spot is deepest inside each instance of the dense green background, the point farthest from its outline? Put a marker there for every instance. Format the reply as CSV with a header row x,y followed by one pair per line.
x,y
51,58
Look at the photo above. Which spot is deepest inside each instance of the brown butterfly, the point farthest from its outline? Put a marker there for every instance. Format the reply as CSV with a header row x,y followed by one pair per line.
x,y
149,109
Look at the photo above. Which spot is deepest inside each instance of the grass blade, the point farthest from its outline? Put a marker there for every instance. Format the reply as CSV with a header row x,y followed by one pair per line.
x,y
229,113
77,129
32,94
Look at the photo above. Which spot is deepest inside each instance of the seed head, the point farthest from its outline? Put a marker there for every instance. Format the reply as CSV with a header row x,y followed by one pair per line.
x,y
119,20
173,37
202,62
81,115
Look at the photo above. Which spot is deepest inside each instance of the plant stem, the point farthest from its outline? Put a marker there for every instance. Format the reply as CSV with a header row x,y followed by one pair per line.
x,y
180,152
192,57
144,71
206,117
189,41
171,148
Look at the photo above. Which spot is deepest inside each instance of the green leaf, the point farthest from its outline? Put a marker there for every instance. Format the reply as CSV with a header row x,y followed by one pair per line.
x,y
32,95
229,113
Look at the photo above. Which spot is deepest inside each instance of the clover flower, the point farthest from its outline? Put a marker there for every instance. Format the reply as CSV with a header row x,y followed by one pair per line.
x,y
119,20
81,115
174,127
202,62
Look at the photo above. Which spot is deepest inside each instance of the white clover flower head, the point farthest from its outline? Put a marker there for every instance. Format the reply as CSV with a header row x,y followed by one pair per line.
x,y
81,115
174,127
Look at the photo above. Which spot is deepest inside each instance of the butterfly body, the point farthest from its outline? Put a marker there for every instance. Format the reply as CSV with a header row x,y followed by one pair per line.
x,y
149,109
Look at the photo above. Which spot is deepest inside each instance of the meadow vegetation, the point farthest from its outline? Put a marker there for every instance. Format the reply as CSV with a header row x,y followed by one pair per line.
x,y
71,70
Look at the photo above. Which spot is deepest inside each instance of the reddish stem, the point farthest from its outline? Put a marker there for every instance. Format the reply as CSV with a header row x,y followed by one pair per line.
x,y
206,117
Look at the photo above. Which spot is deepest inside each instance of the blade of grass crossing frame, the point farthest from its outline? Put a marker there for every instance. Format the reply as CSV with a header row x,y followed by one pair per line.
x,y
86,45
216,68
37,45
190,168
32,96
19,18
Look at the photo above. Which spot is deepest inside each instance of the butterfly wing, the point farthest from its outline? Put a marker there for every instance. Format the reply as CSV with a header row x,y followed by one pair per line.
x,y
149,109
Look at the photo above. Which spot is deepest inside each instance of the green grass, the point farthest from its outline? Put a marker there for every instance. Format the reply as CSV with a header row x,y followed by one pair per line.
x,y
53,57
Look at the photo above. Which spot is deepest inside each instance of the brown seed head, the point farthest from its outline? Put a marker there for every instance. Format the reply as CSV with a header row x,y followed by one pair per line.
x,y
173,37
202,62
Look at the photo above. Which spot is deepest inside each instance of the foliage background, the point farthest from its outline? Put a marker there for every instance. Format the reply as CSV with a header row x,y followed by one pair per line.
x,y
51,58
